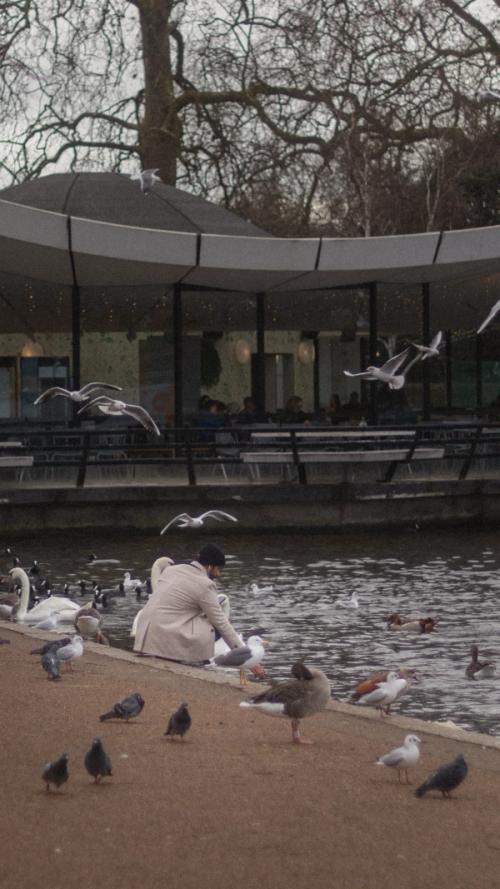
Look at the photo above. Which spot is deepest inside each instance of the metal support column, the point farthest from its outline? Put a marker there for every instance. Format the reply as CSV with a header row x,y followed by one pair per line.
x,y
178,356
260,360
449,378
479,372
425,365
373,341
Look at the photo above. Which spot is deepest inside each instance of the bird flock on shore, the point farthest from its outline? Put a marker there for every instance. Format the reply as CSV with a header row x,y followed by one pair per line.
x,y
307,691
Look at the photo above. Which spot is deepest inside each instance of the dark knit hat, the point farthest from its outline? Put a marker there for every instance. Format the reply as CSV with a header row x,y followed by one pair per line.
x,y
211,554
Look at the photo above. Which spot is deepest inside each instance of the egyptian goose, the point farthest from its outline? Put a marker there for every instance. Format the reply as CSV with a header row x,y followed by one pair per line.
x,y
479,669
415,625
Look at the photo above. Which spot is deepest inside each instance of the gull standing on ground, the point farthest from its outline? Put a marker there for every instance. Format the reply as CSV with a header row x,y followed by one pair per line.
x,y
402,758
489,317
304,695
147,178
385,694
388,372
115,408
68,653
243,658
432,350
187,521
77,395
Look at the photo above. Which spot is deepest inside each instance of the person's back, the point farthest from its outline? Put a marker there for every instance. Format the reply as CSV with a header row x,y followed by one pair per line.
x,y
179,620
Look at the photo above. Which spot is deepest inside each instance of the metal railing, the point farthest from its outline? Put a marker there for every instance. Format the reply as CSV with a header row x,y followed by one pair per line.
x,y
190,451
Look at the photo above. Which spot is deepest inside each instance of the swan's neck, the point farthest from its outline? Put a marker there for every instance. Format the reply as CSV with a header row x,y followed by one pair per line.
x,y
25,596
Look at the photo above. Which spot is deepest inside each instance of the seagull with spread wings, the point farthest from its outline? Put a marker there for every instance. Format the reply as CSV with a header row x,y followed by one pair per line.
x,y
491,314
147,178
114,408
432,350
187,521
78,395
388,372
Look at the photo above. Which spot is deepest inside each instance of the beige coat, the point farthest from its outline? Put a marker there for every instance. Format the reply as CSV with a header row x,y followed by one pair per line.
x,y
179,618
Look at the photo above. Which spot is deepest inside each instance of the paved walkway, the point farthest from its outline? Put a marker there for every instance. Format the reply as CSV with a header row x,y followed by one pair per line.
x,y
236,803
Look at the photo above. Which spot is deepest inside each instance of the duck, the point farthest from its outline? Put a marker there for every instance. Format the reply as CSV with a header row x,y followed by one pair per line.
x,y
305,694
479,669
372,682
130,583
385,694
415,625
88,620
64,607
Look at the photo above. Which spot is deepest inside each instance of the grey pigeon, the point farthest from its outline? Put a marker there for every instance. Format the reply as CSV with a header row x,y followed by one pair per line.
x,y
56,772
97,761
52,646
179,723
50,664
446,778
128,708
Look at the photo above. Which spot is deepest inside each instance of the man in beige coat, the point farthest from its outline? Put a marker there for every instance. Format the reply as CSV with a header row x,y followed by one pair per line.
x,y
181,616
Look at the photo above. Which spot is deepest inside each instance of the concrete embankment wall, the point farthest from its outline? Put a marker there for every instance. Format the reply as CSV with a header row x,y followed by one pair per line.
x,y
258,507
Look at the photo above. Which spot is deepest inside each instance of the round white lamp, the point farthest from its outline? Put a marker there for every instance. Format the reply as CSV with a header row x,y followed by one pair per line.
x,y
242,351
306,352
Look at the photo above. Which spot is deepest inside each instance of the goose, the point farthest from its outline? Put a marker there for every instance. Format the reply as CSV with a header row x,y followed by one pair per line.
x,y
64,607
479,669
304,695
156,569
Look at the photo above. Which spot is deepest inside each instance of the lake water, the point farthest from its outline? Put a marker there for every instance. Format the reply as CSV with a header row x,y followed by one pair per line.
x,y
301,578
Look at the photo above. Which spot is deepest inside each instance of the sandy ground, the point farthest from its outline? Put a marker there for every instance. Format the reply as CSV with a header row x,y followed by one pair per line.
x,y
235,802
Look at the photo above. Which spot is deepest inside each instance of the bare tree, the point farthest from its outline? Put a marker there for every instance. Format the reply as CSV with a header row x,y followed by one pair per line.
x,y
231,97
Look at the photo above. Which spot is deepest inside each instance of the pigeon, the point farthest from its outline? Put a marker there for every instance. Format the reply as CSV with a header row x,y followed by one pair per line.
x,y
489,317
115,408
385,694
187,521
402,758
53,645
179,723
78,395
479,669
304,695
56,772
68,653
446,778
50,664
126,709
432,350
387,373
147,178
97,761
242,658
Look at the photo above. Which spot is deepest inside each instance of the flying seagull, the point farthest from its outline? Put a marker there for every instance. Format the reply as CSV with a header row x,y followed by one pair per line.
x,y
126,709
388,372
78,395
56,772
179,722
147,178
97,761
446,778
402,758
489,317
115,408
242,658
187,521
432,350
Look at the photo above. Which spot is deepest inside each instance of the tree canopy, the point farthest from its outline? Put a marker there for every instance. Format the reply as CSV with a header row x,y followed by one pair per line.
x,y
318,113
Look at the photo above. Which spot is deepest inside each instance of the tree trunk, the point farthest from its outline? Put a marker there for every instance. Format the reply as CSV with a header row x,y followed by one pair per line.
x,y
160,129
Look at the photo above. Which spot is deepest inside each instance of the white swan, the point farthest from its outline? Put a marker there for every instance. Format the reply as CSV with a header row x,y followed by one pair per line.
x,y
64,607
156,569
